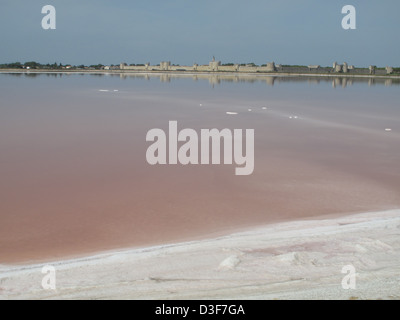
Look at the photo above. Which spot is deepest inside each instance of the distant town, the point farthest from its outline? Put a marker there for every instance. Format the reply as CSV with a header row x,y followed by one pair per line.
x,y
213,66
54,66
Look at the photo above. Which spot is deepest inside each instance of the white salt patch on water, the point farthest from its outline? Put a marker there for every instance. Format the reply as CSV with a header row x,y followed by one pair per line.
x,y
388,129
264,108
231,113
106,90
249,109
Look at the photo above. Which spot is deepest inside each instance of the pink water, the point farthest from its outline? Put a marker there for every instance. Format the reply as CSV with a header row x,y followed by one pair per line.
x,y
74,178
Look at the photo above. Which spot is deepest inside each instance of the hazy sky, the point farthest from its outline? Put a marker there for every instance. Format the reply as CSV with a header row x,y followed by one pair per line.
x,y
188,31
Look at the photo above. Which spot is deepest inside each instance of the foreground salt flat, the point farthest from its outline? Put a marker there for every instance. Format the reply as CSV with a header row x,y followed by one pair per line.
x,y
291,260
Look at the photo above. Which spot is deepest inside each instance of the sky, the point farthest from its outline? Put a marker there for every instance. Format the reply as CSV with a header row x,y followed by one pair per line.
x,y
184,32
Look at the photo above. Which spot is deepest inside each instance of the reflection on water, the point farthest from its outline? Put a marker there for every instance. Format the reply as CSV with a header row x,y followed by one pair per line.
x,y
216,79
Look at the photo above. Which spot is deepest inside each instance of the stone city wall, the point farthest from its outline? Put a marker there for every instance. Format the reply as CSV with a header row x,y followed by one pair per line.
x,y
215,66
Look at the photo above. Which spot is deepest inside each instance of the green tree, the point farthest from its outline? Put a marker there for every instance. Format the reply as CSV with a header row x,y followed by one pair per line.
x,y
32,65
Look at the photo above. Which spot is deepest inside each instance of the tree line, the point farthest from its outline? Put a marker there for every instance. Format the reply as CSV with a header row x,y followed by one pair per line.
x,y
53,66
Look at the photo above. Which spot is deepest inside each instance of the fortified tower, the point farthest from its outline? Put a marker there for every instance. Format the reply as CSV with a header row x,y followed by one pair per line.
x,y
214,65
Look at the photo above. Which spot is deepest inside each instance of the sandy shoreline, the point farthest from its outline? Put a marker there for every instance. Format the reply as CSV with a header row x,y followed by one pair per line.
x,y
289,260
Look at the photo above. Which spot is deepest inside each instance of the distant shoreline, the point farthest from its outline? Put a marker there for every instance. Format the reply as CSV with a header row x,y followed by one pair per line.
x,y
193,73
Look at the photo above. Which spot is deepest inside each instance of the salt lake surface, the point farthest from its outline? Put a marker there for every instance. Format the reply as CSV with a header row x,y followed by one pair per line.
x,y
74,177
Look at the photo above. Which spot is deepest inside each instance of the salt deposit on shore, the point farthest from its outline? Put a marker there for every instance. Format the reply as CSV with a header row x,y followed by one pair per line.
x,y
291,260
